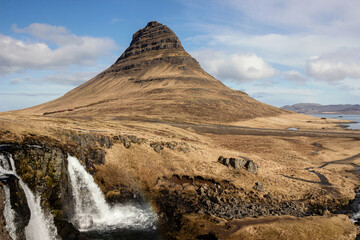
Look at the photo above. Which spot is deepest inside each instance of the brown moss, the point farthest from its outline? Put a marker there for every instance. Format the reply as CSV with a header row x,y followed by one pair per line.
x,y
50,170
38,175
59,214
115,194
49,182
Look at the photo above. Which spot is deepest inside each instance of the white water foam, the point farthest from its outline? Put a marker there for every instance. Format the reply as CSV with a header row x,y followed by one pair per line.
x,y
92,212
41,225
9,214
355,217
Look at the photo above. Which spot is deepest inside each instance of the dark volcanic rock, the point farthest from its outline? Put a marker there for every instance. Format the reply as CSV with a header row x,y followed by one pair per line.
x,y
66,230
251,166
20,206
221,199
237,163
150,40
127,142
157,146
6,177
154,36
209,236
258,186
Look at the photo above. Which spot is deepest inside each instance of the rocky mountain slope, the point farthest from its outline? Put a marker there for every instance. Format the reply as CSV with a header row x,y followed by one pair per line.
x,y
314,108
155,78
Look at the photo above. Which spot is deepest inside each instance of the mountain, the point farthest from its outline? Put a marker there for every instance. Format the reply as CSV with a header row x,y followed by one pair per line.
x,y
156,79
314,108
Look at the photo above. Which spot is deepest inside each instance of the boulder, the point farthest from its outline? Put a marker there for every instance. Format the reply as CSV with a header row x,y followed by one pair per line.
x,y
133,139
157,146
251,166
127,143
239,163
258,186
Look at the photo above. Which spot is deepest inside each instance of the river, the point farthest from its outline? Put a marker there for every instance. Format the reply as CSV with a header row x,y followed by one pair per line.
x,y
351,117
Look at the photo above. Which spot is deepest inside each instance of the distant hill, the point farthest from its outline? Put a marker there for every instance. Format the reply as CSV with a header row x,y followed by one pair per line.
x,y
155,78
314,108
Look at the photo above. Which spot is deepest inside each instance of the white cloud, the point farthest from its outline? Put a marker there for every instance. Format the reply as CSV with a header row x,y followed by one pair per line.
x,y
54,34
298,91
282,32
335,66
294,75
235,67
18,55
325,16
74,79
15,80
28,94
280,96
291,50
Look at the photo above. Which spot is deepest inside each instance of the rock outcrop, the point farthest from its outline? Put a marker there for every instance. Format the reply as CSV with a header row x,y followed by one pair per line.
x,y
239,163
181,195
152,38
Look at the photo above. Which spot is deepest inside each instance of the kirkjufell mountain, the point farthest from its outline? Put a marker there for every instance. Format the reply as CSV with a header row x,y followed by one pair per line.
x,y
156,148
155,78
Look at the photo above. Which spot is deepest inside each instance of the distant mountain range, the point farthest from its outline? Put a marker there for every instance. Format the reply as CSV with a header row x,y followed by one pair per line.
x,y
314,108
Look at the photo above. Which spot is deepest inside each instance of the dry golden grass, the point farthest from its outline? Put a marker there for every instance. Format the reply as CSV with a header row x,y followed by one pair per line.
x,y
328,227
279,158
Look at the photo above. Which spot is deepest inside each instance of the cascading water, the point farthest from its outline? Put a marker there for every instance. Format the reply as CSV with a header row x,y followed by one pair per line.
x,y
93,213
41,225
9,214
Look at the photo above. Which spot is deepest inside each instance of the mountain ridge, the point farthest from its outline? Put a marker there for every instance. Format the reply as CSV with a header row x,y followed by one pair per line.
x,y
315,108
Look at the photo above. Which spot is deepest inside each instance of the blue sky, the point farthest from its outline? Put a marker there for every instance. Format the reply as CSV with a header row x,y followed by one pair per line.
x,y
280,52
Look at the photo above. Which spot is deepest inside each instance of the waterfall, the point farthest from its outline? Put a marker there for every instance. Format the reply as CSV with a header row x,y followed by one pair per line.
x,y
41,225
92,212
9,214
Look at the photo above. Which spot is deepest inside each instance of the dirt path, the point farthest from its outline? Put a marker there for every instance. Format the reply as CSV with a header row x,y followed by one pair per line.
x,y
343,161
322,179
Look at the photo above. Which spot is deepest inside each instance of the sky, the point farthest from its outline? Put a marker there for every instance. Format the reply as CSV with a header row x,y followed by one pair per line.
x,y
280,52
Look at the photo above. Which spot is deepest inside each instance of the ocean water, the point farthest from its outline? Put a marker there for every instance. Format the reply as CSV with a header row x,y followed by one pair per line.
x,y
352,117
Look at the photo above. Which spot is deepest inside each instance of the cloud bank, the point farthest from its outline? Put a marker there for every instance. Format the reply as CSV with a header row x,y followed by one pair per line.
x,y
50,47
235,67
295,76
335,66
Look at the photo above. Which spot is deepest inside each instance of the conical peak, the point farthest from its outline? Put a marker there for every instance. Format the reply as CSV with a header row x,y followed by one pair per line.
x,y
155,36
153,24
